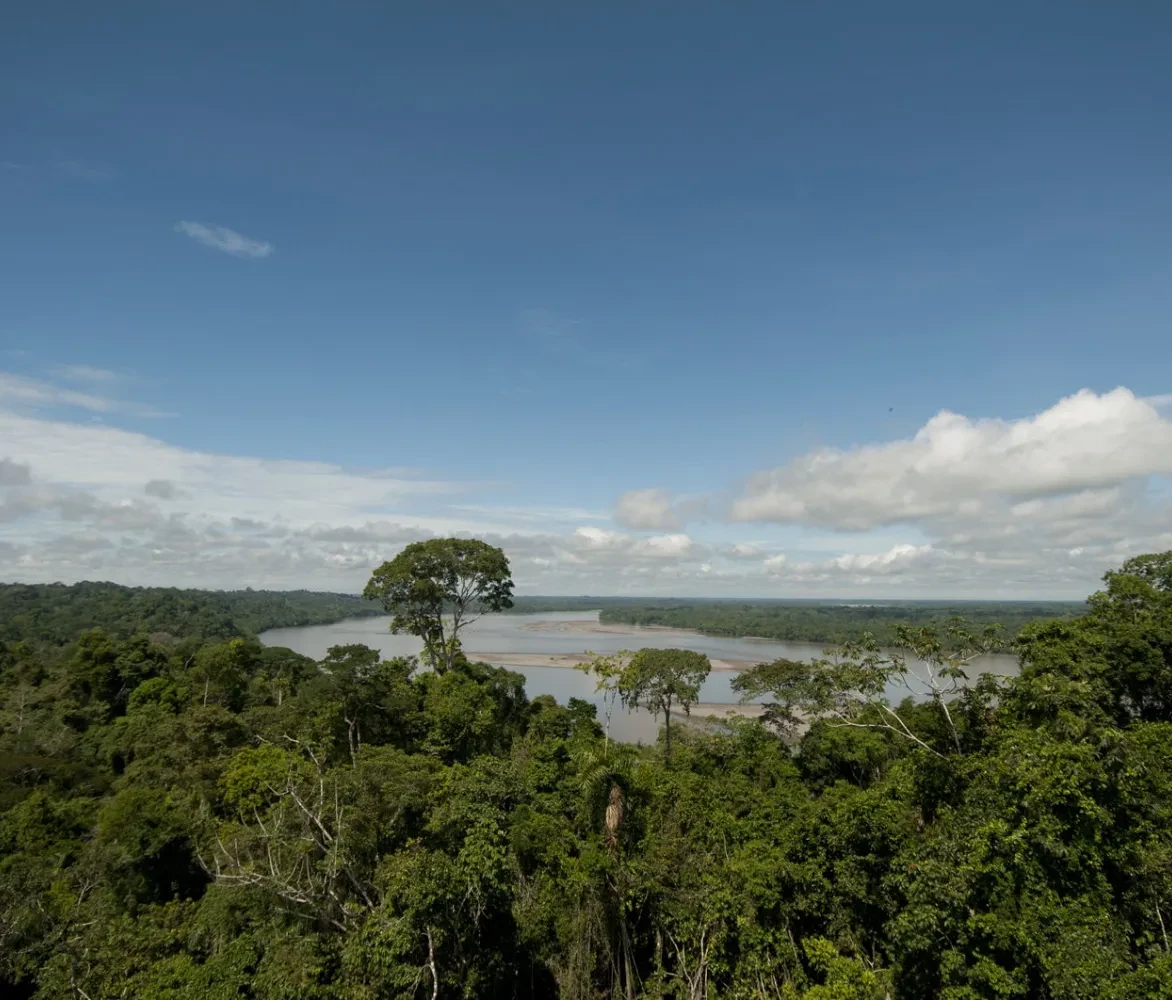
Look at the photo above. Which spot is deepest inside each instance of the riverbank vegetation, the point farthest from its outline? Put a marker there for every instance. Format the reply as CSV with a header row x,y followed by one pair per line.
x,y
813,621
58,613
188,815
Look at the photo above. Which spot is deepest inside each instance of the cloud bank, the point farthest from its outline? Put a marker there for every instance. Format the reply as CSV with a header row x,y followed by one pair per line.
x,y
1036,507
1083,442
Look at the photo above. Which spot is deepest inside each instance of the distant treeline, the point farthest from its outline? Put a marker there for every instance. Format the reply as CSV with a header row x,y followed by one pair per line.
x,y
57,613
831,623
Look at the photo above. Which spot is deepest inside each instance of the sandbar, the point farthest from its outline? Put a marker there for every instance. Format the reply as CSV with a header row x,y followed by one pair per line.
x,y
567,661
576,627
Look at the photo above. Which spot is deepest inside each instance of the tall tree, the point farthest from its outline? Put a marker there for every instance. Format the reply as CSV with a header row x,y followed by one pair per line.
x,y
660,679
434,589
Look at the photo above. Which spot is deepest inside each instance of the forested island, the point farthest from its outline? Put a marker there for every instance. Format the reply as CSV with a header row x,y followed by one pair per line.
x,y
187,814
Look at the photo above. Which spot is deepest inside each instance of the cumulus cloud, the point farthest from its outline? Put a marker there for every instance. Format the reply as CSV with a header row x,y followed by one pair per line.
x,y
164,489
658,510
1083,442
895,557
743,550
226,240
14,473
650,509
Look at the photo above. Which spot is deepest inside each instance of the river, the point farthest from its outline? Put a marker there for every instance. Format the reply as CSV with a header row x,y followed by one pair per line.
x,y
522,642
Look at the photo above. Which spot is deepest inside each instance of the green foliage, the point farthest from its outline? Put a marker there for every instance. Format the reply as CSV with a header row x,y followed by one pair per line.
x,y
428,581
853,685
57,613
209,818
814,621
659,679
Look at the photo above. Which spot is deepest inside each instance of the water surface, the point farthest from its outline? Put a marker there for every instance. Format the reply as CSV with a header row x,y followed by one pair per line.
x,y
503,634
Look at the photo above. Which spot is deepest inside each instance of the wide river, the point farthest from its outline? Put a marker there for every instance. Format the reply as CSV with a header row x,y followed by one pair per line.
x,y
543,648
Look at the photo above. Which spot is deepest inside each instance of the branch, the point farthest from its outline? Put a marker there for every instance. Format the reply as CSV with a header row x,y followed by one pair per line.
x,y
431,965
901,731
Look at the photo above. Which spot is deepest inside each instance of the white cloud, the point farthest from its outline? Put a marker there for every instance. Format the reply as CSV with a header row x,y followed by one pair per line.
x,y
897,557
115,464
91,501
86,373
742,550
658,510
530,518
666,546
651,509
227,240
1085,441
20,392
599,538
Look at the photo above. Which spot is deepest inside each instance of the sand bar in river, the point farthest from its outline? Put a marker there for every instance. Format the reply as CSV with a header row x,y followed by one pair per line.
x,y
576,626
568,661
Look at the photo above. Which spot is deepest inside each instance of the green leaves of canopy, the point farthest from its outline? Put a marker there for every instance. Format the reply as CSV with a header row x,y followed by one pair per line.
x,y
655,679
429,580
660,678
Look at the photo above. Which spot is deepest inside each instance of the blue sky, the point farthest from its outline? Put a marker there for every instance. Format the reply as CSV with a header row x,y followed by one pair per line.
x,y
542,255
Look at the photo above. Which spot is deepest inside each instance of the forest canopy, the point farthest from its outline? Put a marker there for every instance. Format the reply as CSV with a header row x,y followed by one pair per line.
x,y
831,621
59,613
193,815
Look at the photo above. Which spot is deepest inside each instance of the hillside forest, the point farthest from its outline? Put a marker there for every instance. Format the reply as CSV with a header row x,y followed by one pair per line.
x,y
186,813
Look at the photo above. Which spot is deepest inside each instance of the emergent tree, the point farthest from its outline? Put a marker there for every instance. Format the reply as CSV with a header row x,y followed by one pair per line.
x,y
435,588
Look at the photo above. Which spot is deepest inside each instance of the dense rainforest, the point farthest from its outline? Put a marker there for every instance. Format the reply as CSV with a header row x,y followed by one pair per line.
x,y
816,621
57,613
192,815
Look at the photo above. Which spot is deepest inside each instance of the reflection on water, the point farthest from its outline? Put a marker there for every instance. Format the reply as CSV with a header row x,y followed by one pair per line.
x,y
508,634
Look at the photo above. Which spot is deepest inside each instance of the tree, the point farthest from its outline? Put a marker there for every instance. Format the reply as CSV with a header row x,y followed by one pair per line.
x,y
434,589
375,695
607,671
658,679
282,670
853,685
225,667
1114,663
